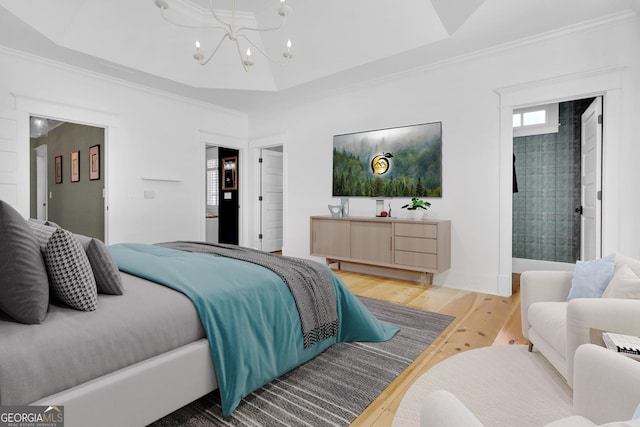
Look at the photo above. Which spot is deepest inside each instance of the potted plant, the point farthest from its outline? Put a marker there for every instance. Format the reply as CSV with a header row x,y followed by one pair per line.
x,y
417,207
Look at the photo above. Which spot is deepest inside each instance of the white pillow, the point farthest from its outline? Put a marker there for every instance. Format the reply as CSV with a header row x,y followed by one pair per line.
x,y
633,263
623,284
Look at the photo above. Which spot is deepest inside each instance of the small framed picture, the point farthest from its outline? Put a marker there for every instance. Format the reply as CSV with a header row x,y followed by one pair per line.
x,y
94,162
230,173
58,166
75,166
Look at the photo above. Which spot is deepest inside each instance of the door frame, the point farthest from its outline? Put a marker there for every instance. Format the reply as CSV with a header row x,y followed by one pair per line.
x,y
523,264
208,139
65,112
605,83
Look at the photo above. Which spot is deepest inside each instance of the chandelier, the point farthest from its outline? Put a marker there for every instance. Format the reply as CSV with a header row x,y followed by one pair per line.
x,y
232,32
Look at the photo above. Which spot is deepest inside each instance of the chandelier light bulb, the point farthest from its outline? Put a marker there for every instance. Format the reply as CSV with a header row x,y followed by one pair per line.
x,y
284,9
247,61
198,56
287,53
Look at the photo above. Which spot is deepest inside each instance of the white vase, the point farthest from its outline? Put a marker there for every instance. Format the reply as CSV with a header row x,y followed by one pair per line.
x,y
417,214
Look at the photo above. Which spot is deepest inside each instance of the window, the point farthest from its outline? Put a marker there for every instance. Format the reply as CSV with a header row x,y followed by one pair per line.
x,y
537,117
530,118
536,120
213,178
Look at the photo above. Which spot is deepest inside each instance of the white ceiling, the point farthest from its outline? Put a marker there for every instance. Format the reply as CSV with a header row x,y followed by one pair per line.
x,y
336,43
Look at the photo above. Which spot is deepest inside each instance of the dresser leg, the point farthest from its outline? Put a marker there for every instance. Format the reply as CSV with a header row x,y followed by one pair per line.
x,y
425,279
333,261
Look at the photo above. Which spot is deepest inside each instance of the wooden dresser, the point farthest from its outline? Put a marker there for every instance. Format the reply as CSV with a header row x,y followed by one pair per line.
x,y
404,244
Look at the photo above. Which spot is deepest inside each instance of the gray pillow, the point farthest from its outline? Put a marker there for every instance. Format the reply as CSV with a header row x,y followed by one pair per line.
x,y
43,222
24,288
104,267
70,274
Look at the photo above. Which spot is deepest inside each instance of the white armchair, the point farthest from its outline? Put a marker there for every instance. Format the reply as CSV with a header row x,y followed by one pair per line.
x,y
556,328
605,391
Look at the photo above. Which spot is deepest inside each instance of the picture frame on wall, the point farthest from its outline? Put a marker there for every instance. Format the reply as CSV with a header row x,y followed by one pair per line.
x,y
58,169
75,166
94,162
230,173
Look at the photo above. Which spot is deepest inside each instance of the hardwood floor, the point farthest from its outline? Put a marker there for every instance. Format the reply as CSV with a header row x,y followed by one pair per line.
x,y
481,320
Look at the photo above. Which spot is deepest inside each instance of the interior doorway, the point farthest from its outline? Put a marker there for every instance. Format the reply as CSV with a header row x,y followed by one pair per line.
x,y
548,218
67,183
229,208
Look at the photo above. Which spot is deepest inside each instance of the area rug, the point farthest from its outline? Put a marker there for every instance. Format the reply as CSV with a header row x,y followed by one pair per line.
x,y
331,389
501,385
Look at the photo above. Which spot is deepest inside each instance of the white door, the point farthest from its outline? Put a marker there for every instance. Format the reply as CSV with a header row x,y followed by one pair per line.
x,y
41,182
591,182
14,160
271,206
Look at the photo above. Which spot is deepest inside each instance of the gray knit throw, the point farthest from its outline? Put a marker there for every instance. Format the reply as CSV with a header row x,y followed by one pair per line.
x,y
309,282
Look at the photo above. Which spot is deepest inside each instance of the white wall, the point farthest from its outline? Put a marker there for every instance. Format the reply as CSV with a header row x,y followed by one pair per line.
x,y
154,135
149,134
463,95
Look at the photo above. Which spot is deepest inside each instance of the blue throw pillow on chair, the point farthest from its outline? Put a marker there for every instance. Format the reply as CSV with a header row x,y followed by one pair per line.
x,y
592,277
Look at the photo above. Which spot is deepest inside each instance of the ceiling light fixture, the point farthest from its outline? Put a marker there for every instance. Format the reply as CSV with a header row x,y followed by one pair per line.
x,y
233,33
38,126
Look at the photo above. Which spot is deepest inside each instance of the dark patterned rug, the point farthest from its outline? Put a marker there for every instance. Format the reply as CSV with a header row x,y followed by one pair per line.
x,y
307,396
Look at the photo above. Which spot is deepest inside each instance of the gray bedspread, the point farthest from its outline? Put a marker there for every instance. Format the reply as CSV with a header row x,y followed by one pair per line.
x,y
72,347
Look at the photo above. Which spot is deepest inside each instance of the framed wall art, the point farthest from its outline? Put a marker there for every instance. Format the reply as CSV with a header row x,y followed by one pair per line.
x,y
94,162
230,173
75,166
58,169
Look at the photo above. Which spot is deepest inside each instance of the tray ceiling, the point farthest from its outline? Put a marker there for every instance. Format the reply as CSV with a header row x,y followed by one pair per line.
x,y
336,43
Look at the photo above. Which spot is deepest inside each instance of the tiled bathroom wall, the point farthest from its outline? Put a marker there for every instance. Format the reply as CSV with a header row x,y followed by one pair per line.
x,y
547,167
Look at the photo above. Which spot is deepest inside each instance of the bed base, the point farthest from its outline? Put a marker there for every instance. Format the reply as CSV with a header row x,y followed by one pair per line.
x,y
142,393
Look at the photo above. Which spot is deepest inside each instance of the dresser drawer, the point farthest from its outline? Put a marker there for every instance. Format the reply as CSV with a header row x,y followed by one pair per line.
x,y
416,244
416,230
416,259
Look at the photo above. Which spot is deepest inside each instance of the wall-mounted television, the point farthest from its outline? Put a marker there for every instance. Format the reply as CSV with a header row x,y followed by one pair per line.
x,y
396,162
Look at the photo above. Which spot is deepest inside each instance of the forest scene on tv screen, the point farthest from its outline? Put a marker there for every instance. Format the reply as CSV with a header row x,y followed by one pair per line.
x,y
397,162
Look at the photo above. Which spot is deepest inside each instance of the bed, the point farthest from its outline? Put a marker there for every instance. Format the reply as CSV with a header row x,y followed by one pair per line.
x,y
143,354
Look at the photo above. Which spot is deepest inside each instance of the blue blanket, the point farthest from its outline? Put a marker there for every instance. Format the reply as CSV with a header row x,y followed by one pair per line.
x,y
248,313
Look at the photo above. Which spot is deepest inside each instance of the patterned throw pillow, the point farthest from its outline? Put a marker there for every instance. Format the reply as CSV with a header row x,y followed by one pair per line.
x,y
103,265
70,275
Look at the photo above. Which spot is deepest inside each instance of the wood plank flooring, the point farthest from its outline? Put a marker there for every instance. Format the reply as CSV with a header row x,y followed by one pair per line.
x,y
481,320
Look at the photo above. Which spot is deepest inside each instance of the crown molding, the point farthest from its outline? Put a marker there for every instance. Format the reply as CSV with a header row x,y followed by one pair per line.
x,y
613,19
122,82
